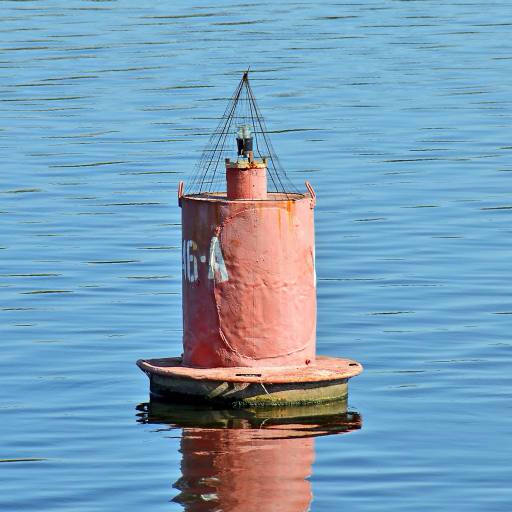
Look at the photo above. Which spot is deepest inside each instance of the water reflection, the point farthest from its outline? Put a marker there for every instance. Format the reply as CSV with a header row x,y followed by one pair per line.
x,y
248,459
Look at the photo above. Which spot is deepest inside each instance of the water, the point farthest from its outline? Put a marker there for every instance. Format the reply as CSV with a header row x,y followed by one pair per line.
x,y
399,114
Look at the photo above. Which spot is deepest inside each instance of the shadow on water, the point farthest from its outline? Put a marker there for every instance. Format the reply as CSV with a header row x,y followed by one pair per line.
x,y
248,459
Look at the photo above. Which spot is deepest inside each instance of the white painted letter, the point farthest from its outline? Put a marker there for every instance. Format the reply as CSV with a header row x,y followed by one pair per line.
x,y
192,271
216,266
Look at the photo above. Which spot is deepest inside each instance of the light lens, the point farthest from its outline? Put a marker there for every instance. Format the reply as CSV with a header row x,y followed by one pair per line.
x,y
244,131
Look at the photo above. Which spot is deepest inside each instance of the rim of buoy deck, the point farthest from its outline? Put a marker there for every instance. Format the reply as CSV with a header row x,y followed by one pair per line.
x,y
272,197
325,380
324,369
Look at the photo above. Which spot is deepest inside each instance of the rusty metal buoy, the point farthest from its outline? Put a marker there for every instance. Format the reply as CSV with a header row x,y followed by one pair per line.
x,y
249,281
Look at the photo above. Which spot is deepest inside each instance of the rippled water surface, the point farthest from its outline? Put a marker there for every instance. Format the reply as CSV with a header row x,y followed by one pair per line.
x,y
399,112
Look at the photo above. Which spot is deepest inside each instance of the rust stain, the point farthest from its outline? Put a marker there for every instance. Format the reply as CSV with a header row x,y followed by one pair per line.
x,y
290,209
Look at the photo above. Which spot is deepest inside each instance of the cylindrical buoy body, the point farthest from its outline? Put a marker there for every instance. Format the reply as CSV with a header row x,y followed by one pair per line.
x,y
249,288
246,180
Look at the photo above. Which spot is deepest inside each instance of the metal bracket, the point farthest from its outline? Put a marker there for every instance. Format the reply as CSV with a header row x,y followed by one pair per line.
x,y
180,192
312,193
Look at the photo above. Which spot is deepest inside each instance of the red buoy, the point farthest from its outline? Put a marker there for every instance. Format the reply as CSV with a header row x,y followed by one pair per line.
x,y
249,284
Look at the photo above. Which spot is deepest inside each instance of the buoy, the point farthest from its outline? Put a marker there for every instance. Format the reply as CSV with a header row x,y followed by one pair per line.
x,y
248,280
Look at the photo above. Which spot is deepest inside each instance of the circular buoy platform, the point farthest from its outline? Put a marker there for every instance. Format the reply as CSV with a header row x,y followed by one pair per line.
x,y
324,381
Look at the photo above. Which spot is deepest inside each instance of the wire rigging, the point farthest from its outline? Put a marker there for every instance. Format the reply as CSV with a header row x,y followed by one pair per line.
x,y
242,110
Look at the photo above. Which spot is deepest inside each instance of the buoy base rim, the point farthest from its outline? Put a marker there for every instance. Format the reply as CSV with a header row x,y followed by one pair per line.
x,y
324,381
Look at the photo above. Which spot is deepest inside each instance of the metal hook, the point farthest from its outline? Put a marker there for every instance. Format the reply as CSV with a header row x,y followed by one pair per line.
x,y
180,192
312,193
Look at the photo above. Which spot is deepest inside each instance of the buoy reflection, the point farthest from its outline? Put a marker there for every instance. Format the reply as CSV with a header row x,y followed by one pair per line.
x,y
248,459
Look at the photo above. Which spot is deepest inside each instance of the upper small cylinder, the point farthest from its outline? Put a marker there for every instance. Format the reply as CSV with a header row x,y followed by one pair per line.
x,y
246,179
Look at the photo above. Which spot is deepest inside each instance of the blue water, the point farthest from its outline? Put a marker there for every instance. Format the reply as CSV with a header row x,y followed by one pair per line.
x,y
398,112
